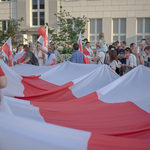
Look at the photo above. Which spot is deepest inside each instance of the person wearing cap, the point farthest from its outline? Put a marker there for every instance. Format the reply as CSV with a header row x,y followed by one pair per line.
x,y
51,58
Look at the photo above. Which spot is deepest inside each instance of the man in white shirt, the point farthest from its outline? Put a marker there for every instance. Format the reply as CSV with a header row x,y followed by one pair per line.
x,y
130,59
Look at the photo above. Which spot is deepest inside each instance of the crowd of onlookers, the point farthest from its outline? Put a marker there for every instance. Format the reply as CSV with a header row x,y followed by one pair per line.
x,y
120,57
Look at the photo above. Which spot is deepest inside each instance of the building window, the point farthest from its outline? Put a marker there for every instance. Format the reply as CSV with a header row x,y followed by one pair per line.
x,y
119,29
38,14
5,0
3,25
95,30
143,29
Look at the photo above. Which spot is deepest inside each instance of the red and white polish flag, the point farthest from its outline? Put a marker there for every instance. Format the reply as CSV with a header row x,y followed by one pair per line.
x,y
19,57
73,106
44,40
7,49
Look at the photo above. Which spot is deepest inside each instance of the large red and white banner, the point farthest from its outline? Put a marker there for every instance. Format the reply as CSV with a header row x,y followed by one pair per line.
x,y
75,106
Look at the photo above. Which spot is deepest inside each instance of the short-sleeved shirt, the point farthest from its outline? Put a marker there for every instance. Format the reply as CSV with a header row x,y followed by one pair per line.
x,y
29,55
131,61
51,60
114,64
77,57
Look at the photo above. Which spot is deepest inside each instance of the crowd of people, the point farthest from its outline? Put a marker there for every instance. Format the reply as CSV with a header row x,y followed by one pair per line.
x,y
34,54
118,56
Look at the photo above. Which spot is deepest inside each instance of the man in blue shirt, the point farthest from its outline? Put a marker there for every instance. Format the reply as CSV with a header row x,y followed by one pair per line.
x,y
77,56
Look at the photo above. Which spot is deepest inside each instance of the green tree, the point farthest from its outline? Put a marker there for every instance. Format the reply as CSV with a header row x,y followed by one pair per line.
x,y
67,30
12,31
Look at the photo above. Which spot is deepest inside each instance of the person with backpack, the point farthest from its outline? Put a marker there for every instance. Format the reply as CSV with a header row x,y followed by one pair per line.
x,y
30,57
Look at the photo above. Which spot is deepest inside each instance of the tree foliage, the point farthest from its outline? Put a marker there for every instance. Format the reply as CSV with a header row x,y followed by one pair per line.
x,y
12,31
67,30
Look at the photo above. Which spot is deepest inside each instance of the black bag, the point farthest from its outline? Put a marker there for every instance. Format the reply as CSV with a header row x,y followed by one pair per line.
x,y
117,70
34,60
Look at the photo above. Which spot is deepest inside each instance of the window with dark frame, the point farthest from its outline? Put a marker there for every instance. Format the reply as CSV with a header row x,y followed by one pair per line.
x,y
38,13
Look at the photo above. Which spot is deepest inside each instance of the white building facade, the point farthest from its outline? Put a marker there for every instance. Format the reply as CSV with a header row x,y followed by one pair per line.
x,y
120,20
127,20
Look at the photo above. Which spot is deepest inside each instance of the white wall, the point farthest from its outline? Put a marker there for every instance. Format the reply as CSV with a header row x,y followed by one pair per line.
x,y
108,9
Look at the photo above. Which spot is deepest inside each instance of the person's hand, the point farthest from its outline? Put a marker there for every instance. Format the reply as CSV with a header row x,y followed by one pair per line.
x,y
123,65
119,56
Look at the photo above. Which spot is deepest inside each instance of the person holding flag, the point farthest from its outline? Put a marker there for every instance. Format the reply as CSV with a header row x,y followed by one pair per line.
x,y
20,56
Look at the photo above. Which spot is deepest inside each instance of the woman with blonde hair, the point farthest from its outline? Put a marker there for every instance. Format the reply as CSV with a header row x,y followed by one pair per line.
x,y
102,42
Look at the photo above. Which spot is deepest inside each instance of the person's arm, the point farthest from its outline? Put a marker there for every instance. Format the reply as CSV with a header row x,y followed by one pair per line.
x,y
60,58
26,60
141,60
96,58
3,80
